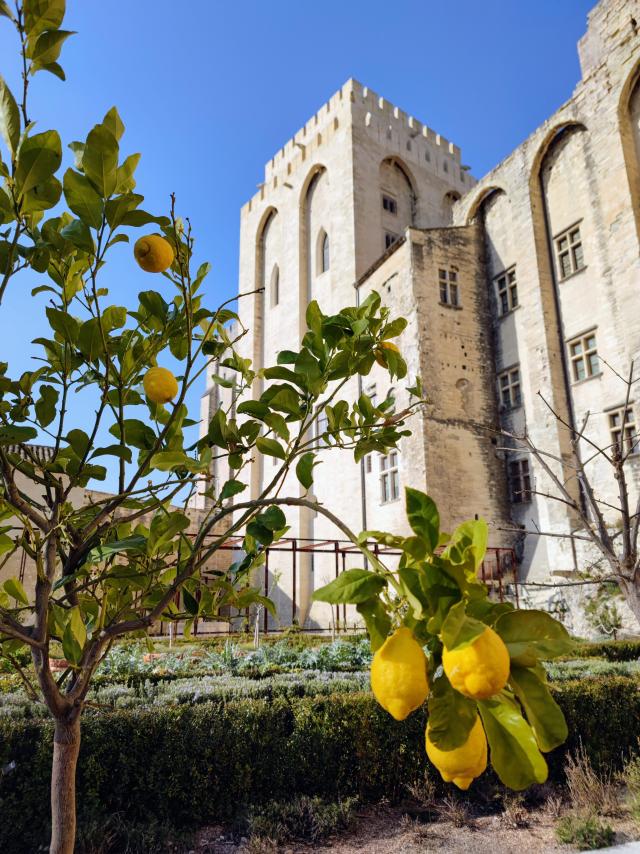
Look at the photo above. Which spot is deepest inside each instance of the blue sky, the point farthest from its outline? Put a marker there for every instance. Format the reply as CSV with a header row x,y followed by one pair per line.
x,y
209,91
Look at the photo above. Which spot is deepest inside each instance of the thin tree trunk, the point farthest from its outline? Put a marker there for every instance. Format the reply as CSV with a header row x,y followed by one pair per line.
x,y
66,747
632,597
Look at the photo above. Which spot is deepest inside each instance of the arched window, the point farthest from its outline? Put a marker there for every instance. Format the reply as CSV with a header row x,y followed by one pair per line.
x,y
275,286
325,254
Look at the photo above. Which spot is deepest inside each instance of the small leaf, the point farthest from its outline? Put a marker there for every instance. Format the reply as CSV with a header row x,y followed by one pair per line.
x,y
47,48
40,15
423,517
543,713
38,158
74,637
231,488
270,447
451,715
304,469
9,118
459,630
376,620
351,586
15,589
100,160
82,198
533,635
14,434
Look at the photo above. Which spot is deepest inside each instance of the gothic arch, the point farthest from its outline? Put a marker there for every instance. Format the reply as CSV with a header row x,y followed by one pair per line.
x,y
630,136
448,201
308,247
483,196
274,285
322,252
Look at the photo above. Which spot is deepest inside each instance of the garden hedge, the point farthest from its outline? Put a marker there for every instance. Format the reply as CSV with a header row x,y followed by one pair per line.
x,y
612,650
191,765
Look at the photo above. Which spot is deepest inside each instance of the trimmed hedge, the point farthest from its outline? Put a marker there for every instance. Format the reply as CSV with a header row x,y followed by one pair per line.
x,y
611,650
203,764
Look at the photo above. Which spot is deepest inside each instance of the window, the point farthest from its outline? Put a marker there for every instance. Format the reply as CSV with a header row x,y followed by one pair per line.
x,y
427,155
275,286
509,385
445,165
583,354
624,434
390,238
389,481
448,281
519,481
569,252
367,463
389,204
324,264
507,291
372,394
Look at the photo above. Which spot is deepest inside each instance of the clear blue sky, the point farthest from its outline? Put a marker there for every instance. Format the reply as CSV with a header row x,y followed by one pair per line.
x,y
210,90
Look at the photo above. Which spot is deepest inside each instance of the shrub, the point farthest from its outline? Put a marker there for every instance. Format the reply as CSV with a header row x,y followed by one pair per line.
x,y
612,650
301,818
587,834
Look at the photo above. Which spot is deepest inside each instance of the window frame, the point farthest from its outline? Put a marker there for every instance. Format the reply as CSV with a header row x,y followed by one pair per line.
x,y
513,382
506,286
519,473
569,252
389,473
583,356
389,204
390,239
448,287
325,253
627,429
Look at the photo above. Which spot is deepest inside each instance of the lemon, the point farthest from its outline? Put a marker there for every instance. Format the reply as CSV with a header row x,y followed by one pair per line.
x,y
399,674
160,385
463,763
379,352
153,253
480,669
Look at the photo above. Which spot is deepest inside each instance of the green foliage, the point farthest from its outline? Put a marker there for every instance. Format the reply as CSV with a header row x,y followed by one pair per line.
x,y
250,751
299,819
611,650
586,833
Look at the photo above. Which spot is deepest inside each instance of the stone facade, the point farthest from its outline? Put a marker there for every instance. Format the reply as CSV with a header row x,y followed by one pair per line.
x,y
544,254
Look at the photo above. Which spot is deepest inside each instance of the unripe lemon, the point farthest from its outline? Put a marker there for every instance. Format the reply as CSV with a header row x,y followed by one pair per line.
x,y
384,345
399,674
463,763
160,385
153,253
480,669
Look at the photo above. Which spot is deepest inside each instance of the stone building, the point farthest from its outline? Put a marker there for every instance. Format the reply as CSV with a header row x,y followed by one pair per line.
x,y
520,289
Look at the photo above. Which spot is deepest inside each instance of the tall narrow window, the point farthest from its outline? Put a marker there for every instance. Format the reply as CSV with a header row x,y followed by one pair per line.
x,y
325,253
583,354
449,293
322,426
510,391
389,478
624,434
389,204
520,481
569,253
275,286
390,238
507,291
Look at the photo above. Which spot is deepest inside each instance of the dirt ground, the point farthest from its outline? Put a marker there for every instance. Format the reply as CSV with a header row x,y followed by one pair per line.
x,y
389,830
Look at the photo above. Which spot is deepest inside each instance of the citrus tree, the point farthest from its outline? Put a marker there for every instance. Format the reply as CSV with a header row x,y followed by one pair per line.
x,y
119,563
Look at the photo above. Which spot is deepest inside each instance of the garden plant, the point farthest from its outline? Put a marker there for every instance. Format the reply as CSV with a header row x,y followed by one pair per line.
x,y
116,565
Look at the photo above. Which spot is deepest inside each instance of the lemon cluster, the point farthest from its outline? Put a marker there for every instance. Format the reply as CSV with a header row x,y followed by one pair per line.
x,y
478,670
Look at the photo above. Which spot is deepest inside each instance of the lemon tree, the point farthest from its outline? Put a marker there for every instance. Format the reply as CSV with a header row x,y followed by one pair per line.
x,y
119,563
437,636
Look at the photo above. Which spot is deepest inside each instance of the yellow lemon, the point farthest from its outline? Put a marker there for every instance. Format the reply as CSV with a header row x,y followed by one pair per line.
x,y
463,763
480,669
399,674
384,345
153,253
160,385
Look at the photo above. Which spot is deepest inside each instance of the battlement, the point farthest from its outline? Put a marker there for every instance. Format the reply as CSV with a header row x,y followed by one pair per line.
x,y
353,103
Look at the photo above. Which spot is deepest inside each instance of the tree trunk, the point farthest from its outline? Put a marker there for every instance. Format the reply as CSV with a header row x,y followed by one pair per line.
x,y
66,747
632,597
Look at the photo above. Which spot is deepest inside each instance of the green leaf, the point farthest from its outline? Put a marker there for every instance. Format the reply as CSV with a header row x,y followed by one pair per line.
x,y
459,630
78,441
77,232
100,160
376,620
413,580
82,198
125,179
451,715
9,118
40,15
90,341
120,451
515,756
168,460
543,713
14,588
39,157
423,517
113,123
52,68
64,324
46,405
231,488
190,602
14,434
164,528
533,635
47,48
304,469
468,544
118,207
273,518
139,218
43,196
5,11
134,543
74,636
351,586
270,447
137,434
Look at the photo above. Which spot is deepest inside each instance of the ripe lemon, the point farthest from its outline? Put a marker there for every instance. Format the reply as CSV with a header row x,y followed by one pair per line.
x,y
463,763
160,385
399,674
153,253
378,354
480,669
